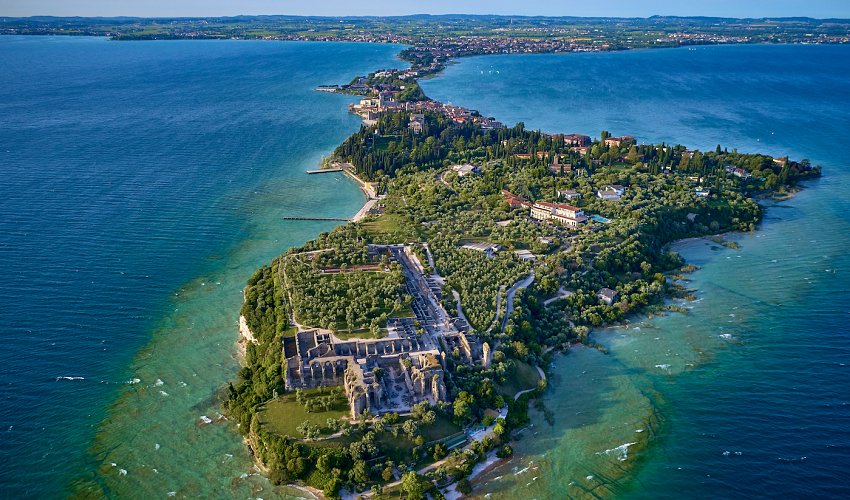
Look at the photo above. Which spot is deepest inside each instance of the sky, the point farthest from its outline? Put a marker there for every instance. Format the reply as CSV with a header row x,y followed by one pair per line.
x,y
609,8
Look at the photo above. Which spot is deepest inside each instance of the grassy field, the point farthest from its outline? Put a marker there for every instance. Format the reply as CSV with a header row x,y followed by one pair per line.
x,y
334,442
284,414
392,228
524,377
360,333
404,312
442,428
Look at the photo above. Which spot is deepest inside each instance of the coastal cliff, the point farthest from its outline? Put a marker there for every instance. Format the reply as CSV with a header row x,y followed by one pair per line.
x,y
246,336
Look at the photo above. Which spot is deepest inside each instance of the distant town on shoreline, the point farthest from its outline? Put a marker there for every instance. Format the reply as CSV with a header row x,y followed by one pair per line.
x,y
439,37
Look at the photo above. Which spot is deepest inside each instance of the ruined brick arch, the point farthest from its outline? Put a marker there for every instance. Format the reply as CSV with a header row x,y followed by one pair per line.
x,y
438,390
315,371
328,370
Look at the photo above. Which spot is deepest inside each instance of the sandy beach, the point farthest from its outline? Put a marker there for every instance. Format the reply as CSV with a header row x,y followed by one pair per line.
x,y
481,468
364,210
245,336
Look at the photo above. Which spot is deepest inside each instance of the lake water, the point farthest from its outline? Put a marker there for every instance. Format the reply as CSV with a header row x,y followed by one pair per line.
x,y
747,395
142,184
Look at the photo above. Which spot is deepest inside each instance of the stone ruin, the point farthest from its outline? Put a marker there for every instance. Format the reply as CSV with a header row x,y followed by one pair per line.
x,y
380,375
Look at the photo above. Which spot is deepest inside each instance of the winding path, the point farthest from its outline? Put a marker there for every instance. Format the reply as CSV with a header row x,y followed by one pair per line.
x,y
459,308
431,261
442,178
510,301
562,294
542,377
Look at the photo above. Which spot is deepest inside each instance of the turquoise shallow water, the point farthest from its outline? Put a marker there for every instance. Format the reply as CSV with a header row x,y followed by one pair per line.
x,y
143,183
745,396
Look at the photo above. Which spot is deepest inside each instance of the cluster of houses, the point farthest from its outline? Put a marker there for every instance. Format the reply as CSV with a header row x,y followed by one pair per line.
x,y
449,47
401,74
562,213
371,108
577,140
610,192
457,114
383,99
578,143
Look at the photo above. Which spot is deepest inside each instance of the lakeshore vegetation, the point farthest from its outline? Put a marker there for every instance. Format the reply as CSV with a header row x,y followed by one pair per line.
x,y
669,193
460,191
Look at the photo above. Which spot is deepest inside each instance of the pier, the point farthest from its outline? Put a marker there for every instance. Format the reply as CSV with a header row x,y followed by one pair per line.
x,y
323,170
341,219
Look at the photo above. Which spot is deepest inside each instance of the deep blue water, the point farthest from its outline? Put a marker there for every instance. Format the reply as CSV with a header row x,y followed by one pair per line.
x,y
752,387
134,175
143,183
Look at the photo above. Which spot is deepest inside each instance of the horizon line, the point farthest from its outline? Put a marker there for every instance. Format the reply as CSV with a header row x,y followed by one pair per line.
x,y
401,16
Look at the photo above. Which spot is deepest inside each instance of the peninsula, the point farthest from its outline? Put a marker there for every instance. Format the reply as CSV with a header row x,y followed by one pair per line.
x,y
396,352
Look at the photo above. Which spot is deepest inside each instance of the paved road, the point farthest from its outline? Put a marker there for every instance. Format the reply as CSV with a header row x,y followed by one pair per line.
x,y
510,301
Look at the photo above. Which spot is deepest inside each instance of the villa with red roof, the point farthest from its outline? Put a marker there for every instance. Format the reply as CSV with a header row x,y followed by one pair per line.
x,y
514,201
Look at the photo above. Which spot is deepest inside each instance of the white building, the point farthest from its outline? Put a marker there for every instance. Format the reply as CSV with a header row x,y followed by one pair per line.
x,y
569,194
561,213
607,296
525,255
465,169
612,192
